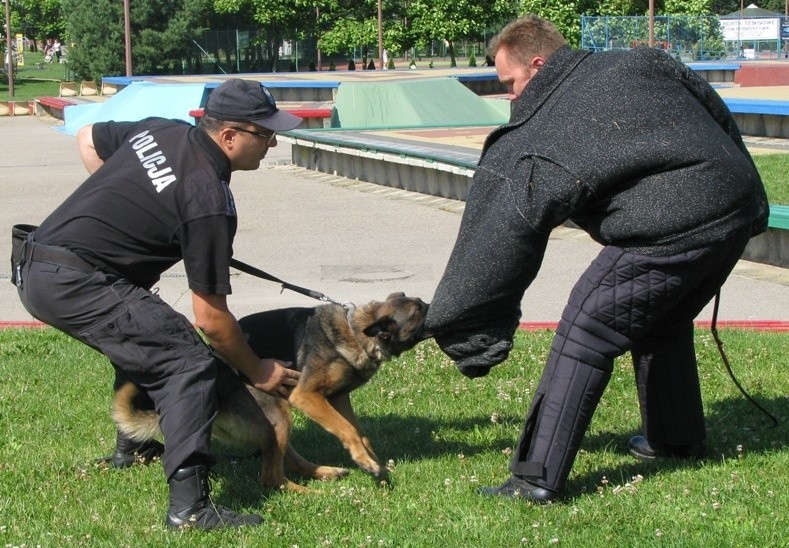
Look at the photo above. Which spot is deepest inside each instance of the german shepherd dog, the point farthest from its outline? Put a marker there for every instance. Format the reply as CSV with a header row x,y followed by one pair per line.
x,y
337,348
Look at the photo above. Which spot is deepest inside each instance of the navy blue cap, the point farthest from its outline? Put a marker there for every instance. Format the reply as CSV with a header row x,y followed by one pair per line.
x,y
237,100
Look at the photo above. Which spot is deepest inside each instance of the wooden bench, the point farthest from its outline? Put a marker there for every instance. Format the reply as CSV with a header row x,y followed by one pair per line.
x,y
54,106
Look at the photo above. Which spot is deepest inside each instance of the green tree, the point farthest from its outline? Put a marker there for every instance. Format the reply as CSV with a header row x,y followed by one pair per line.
x,y
347,34
778,6
562,13
347,25
722,7
454,20
95,38
39,19
622,7
162,33
687,7
279,19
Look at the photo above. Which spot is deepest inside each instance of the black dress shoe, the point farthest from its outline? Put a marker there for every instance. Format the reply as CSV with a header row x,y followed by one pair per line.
x,y
640,448
518,488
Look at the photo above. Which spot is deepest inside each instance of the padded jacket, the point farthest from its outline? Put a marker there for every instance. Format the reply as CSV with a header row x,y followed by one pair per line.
x,y
632,146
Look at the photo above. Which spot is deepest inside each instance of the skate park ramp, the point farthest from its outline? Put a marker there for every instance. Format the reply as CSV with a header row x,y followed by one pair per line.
x,y
440,102
137,101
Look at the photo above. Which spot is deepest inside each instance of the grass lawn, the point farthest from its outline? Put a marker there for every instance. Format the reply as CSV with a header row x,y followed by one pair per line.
x,y
32,82
443,436
773,169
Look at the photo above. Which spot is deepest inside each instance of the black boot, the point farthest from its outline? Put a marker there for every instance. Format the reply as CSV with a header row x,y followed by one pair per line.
x,y
191,506
129,452
640,448
518,488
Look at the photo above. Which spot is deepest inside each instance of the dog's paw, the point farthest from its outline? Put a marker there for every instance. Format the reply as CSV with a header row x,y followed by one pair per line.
x,y
330,473
371,467
383,480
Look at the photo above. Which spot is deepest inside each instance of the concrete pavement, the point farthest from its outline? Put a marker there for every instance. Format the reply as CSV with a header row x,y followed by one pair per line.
x,y
352,241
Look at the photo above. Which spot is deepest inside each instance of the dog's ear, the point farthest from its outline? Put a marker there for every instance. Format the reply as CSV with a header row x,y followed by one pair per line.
x,y
381,328
395,295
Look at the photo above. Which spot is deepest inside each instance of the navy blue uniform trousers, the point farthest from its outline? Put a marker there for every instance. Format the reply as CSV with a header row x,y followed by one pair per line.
x,y
147,342
622,302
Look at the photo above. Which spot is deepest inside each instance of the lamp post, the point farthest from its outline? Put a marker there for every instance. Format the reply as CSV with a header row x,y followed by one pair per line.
x,y
8,48
380,34
651,23
739,30
127,35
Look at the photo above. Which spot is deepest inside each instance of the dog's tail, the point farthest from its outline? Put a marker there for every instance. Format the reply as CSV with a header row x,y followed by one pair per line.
x,y
132,418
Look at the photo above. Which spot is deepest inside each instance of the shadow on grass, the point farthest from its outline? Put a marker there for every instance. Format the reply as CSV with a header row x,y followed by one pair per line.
x,y
734,427
730,423
393,437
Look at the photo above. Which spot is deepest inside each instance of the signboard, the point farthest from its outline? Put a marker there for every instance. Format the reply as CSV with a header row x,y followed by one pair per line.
x,y
20,50
785,28
753,28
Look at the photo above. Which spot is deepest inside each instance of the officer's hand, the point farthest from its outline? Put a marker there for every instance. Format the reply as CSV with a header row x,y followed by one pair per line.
x,y
274,377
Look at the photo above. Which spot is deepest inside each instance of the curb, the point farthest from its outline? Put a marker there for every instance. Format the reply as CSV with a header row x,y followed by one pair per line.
x,y
775,326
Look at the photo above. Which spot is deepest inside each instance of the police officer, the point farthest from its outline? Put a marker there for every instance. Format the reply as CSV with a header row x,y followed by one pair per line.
x,y
159,193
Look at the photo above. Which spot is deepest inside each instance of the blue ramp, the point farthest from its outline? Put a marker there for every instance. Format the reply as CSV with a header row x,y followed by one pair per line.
x,y
137,101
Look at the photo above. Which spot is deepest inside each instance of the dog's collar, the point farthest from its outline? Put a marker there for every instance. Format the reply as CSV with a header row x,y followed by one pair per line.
x,y
378,355
350,308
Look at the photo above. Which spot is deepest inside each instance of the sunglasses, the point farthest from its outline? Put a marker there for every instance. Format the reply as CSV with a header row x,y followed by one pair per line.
x,y
269,137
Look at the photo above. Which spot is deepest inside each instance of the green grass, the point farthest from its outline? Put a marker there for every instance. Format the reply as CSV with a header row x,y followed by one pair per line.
x,y
443,436
31,82
773,169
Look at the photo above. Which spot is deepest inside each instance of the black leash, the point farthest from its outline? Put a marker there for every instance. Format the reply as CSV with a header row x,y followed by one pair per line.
x,y
714,330
252,271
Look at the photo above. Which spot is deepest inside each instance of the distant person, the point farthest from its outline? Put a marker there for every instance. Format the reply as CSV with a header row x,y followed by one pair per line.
x,y
56,47
641,152
49,52
159,193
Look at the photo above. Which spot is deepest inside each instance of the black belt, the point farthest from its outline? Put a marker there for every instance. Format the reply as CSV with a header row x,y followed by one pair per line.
x,y
58,256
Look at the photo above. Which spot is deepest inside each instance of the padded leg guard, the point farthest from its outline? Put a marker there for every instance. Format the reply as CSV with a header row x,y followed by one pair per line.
x,y
669,394
578,370
557,421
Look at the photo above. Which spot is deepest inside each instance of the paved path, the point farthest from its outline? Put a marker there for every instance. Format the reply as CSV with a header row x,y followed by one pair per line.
x,y
352,241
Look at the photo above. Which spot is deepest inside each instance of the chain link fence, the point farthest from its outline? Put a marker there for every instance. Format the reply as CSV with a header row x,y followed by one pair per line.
x,y
692,38
254,50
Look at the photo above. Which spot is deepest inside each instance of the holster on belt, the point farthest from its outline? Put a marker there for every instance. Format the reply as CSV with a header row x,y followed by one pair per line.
x,y
21,235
